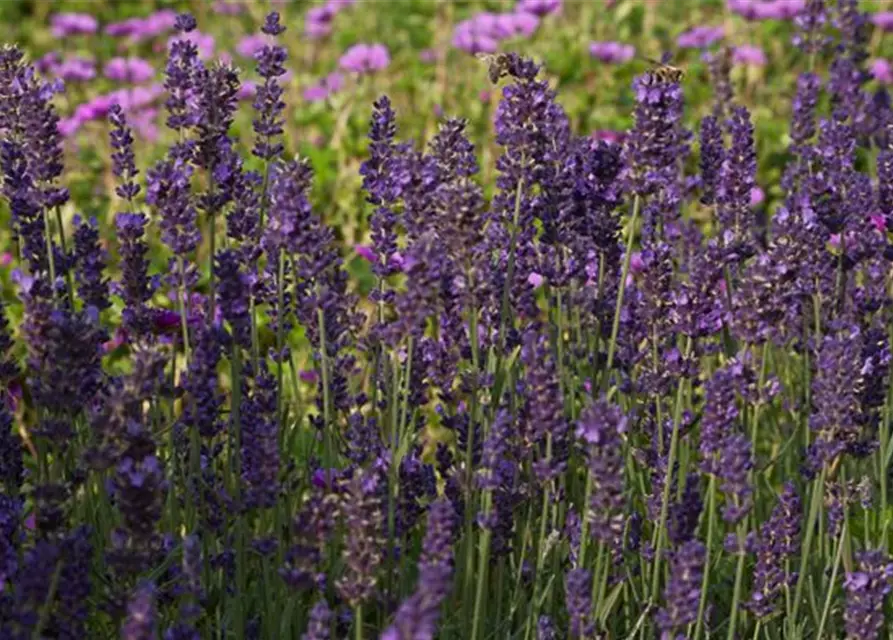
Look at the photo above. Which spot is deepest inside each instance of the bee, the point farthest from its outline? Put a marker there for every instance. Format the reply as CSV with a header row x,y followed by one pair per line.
x,y
663,73
497,65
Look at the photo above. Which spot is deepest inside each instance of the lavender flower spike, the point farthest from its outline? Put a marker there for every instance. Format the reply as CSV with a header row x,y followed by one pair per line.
x,y
866,591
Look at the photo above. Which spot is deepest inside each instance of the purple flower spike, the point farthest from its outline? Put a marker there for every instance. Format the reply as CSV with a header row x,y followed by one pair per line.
x,y
365,58
866,591
749,55
612,52
683,591
133,70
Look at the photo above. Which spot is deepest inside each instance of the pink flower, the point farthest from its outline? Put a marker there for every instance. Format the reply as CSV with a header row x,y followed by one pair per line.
x,y
365,58
878,221
5,259
756,196
636,263
883,20
250,45
750,55
365,252
700,37
535,280
308,375
484,96
881,70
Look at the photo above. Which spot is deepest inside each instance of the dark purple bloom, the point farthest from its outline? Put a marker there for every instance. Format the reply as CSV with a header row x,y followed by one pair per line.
x,y
135,287
417,616
578,595
545,629
260,442
778,541
737,179
234,285
712,158
682,594
364,517
182,74
318,625
600,430
90,258
866,591
140,623
811,24
545,425
169,192
268,104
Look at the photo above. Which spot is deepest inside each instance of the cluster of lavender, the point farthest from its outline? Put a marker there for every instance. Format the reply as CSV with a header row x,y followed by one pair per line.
x,y
569,410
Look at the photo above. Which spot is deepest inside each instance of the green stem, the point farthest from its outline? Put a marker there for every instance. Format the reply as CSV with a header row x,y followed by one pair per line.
x,y
358,622
705,582
739,580
815,503
184,307
510,269
671,461
830,593
483,563
615,324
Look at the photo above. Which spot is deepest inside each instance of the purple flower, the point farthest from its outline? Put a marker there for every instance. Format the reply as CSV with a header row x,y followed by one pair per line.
x,y
737,179
883,20
168,191
204,42
135,70
140,623
523,23
72,24
318,21
146,28
250,45
325,88
318,625
612,52
229,7
75,69
778,541
683,591
881,70
93,286
260,442
363,515
475,35
417,616
539,7
600,431
578,595
712,158
268,104
866,592
365,58
767,9
700,37
749,55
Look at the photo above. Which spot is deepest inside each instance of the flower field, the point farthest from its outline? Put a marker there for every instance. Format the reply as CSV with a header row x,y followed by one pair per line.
x,y
519,319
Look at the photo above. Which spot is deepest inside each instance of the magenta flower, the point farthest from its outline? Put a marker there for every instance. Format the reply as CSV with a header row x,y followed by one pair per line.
x,y
228,7
75,69
134,70
881,70
535,280
5,259
612,52
247,90
70,24
883,20
365,58
366,252
609,136
526,24
539,7
756,196
700,37
749,55
767,9
325,88
146,28
248,46
475,35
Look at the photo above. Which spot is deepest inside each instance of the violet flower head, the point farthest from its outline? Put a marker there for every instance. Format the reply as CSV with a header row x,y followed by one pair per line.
x,y
712,158
75,69
682,593
365,58
883,20
475,36
612,52
90,259
737,180
811,23
600,431
64,25
749,55
250,45
539,7
268,104
134,287
140,623
803,121
417,616
578,595
134,70
657,140
182,73
364,516
778,541
318,624
260,442
545,629
866,591
700,37
318,21
233,291
168,190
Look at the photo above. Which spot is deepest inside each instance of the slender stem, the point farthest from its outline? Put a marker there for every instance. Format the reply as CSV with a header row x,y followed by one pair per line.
x,y
830,593
51,260
671,461
705,582
358,622
615,325
739,580
184,307
510,269
483,563
815,503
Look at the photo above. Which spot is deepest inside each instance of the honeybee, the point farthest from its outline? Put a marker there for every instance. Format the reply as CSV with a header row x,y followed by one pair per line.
x,y
663,73
497,65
